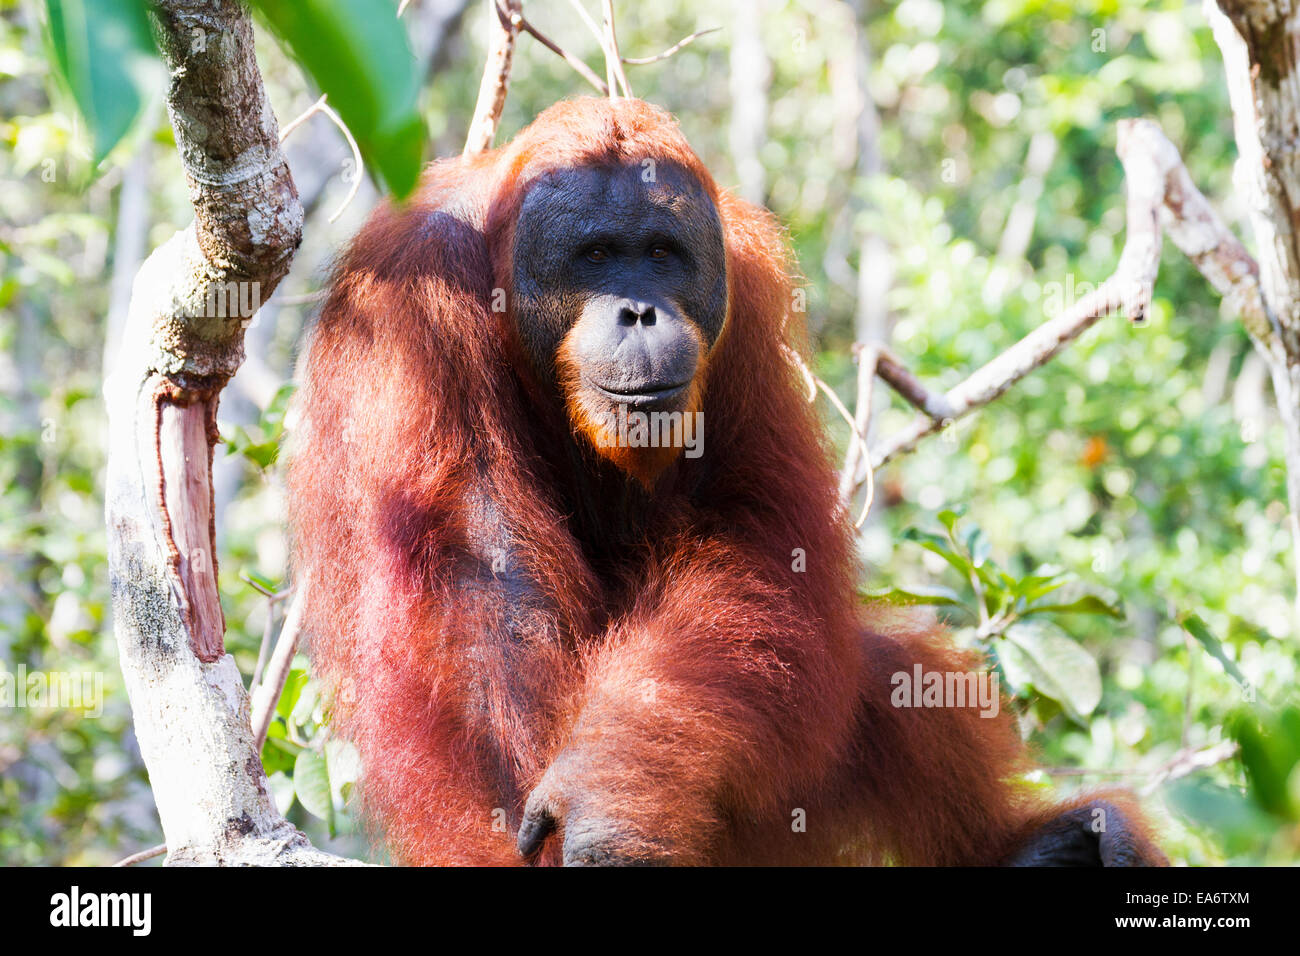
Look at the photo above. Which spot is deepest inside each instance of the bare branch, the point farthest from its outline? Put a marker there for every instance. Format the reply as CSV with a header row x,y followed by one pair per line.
x,y
1156,181
613,61
1187,762
1257,40
143,855
1183,763
182,341
816,384
684,42
868,357
496,76
909,387
267,694
320,106
585,71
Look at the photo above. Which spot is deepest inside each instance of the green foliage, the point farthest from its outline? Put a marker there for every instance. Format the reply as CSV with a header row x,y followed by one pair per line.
x,y
1142,464
1268,812
357,53
1014,619
260,443
105,57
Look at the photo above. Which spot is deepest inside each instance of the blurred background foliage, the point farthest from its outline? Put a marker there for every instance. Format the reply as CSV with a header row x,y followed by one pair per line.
x,y
969,149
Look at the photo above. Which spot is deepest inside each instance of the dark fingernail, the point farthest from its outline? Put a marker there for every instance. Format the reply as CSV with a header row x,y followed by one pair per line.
x,y
533,831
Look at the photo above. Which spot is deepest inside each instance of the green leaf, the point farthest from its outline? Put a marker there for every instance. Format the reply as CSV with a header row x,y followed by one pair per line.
x,y
977,545
293,686
1195,626
311,782
1075,597
1034,586
1227,812
949,518
936,596
305,706
941,546
104,54
1041,655
1266,766
278,753
267,584
357,53
263,455
281,786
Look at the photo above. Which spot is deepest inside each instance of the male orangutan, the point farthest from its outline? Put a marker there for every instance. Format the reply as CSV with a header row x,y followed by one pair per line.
x,y
567,621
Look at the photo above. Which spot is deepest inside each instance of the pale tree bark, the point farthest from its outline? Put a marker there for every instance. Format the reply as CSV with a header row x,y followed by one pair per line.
x,y
182,342
1258,39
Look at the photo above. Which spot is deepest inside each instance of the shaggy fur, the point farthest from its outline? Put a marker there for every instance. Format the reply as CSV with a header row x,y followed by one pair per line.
x,y
494,600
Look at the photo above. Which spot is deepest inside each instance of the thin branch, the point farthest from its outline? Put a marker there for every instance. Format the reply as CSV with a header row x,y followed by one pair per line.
x,y
613,61
1187,762
816,384
868,356
272,599
320,106
267,694
685,41
1183,763
520,22
909,387
143,855
591,24
496,78
1157,185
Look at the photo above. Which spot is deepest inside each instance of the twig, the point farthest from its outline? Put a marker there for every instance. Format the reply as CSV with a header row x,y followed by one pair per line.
x,y
613,61
496,78
143,855
1187,762
867,357
1183,763
272,599
814,385
520,22
306,298
685,41
320,106
591,24
909,387
267,694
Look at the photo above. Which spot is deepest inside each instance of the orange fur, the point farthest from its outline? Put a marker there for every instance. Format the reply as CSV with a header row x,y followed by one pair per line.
x,y
492,606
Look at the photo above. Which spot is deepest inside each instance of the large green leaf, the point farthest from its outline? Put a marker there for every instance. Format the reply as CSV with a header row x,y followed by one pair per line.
x,y
1040,654
1270,754
103,52
357,53
311,782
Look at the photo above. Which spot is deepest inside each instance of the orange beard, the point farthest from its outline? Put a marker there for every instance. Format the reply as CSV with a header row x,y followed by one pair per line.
x,y
615,433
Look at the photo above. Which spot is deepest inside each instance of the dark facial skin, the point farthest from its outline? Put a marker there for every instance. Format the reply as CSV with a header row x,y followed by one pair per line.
x,y
632,272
